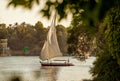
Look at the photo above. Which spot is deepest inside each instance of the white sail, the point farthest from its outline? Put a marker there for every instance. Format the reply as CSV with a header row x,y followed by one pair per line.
x,y
51,48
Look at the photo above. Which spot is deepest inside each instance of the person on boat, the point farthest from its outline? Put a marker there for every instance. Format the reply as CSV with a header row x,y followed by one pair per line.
x,y
68,60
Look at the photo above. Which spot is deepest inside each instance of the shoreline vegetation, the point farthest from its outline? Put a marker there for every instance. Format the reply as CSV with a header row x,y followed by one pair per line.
x,y
26,39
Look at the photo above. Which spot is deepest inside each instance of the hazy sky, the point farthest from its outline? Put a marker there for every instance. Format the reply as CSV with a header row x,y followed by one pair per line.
x,y
12,15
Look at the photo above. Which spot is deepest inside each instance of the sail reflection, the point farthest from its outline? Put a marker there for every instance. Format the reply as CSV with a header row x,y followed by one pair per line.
x,y
48,73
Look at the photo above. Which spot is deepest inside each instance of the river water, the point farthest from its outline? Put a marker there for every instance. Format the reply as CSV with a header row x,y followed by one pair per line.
x,y
28,68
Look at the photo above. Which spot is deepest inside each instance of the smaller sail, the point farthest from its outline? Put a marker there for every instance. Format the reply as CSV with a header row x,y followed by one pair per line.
x,y
51,48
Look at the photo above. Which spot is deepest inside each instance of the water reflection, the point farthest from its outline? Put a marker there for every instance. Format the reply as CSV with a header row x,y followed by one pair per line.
x,y
29,69
43,74
48,73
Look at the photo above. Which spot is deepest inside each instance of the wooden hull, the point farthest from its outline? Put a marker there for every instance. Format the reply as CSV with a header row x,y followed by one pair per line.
x,y
56,64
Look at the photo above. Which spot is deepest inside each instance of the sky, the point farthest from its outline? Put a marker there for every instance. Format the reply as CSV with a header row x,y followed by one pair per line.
x,y
12,15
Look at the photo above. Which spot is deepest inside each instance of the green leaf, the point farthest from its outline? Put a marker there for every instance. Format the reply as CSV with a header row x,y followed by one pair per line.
x,y
25,49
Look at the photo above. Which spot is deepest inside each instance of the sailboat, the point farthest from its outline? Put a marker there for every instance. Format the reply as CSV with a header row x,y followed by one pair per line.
x,y
51,49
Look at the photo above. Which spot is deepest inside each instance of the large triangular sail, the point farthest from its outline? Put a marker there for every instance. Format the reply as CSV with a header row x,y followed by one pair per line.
x,y
51,48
